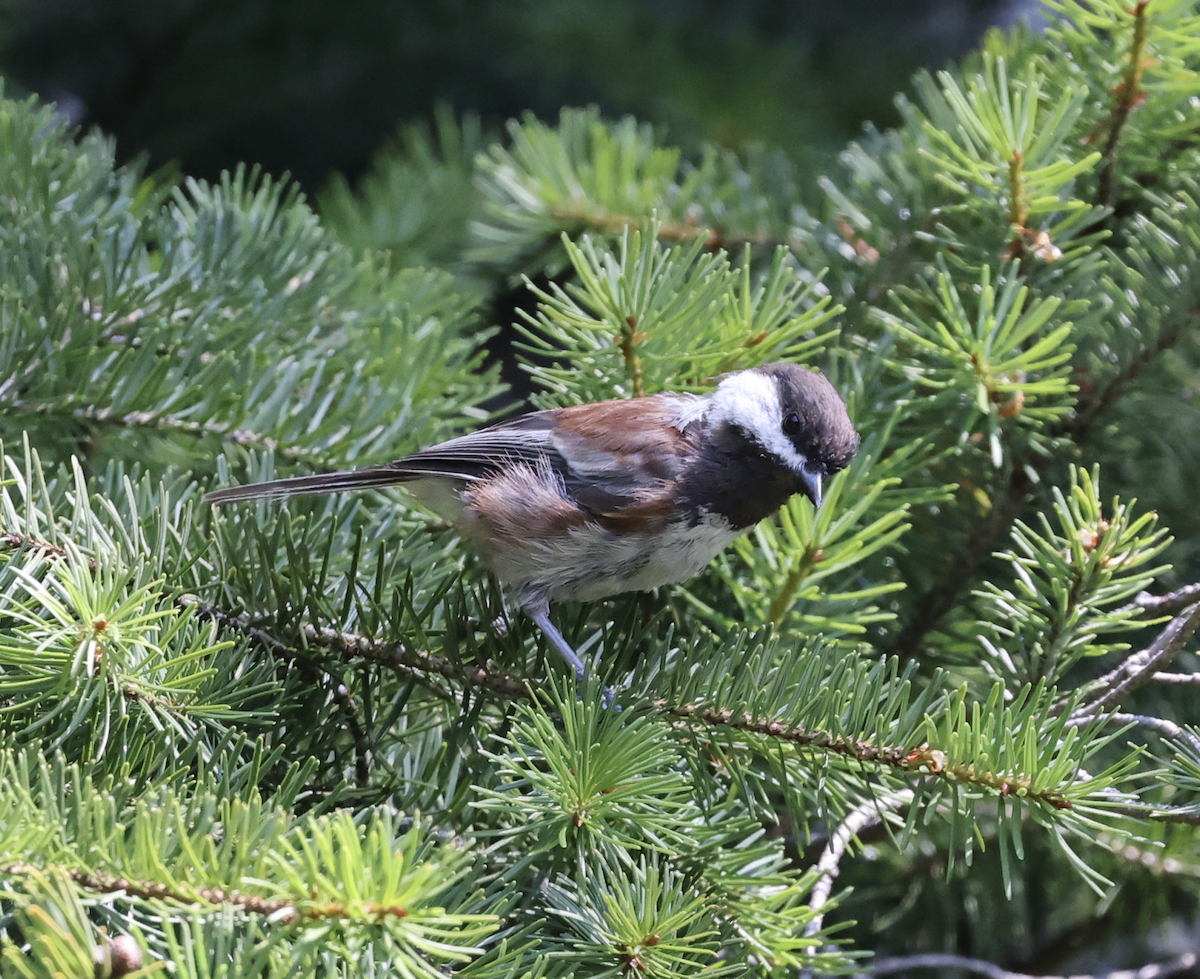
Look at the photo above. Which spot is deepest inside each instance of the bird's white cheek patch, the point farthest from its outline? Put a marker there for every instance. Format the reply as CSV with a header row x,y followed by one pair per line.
x,y
750,401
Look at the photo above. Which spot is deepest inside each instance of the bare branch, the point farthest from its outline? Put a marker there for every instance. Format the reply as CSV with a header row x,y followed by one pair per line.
x,y
1182,815
1160,725
362,747
1177,679
1139,668
942,960
1153,860
859,819
1157,604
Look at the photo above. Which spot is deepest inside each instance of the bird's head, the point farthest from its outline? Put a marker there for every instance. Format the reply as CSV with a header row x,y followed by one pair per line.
x,y
792,415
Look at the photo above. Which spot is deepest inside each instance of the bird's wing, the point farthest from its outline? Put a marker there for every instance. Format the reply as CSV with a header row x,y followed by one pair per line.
x,y
623,458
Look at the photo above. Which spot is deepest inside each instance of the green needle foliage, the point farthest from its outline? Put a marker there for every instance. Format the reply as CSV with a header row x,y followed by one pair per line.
x,y
951,710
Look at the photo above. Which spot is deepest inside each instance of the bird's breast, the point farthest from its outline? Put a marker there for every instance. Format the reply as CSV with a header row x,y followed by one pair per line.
x,y
593,562
590,560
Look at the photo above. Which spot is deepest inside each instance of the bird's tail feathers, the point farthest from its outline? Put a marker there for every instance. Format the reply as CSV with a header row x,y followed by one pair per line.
x,y
318,485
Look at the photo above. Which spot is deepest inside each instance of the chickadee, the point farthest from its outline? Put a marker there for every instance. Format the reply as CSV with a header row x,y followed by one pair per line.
x,y
585,502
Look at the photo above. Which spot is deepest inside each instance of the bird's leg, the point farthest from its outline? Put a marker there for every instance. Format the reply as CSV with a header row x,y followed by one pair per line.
x,y
540,613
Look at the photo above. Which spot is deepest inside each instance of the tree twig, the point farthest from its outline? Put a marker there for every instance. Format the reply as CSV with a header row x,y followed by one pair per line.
x,y
1160,725
859,819
945,960
281,910
922,760
1158,604
1137,669
1176,679
1129,96
362,748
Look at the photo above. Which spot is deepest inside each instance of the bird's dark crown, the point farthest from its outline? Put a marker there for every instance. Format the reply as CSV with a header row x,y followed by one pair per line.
x,y
825,437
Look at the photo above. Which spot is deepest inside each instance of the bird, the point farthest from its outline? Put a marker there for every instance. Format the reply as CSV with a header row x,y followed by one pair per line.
x,y
588,501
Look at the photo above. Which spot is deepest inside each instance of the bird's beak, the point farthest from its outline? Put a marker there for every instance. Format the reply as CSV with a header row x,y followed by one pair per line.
x,y
810,486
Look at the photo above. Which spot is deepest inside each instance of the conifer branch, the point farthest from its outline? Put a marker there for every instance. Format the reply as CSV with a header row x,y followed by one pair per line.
x,y
1018,206
10,541
152,421
283,911
154,891
714,238
350,645
786,596
847,747
923,759
1088,412
935,604
1129,95
630,337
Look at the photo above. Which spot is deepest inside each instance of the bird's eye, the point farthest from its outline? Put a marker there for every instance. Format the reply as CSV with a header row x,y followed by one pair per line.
x,y
791,423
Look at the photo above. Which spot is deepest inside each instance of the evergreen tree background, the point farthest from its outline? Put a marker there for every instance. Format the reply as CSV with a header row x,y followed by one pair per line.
x,y
949,714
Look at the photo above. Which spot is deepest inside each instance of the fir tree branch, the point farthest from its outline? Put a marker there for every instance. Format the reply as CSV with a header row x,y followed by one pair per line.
x,y
935,604
629,339
786,596
714,238
945,960
1130,95
922,760
151,421
1087,413
154,891
892,756
10,541
283,911
349,645
1018,205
